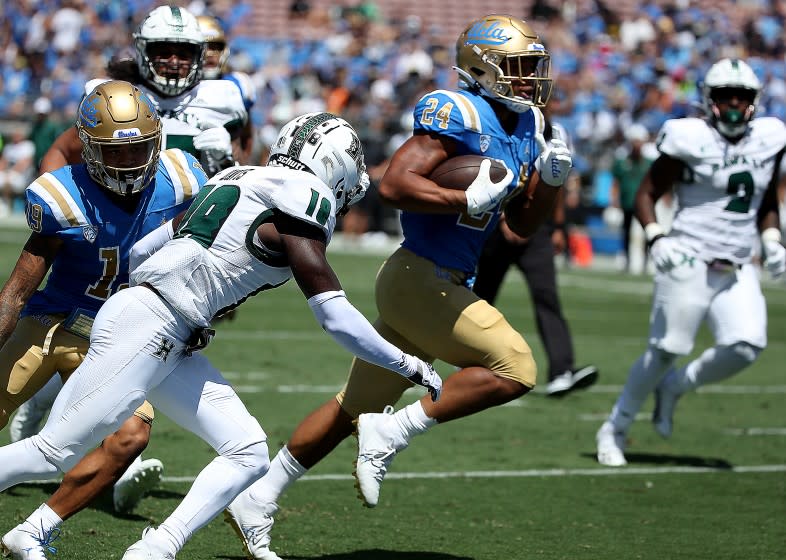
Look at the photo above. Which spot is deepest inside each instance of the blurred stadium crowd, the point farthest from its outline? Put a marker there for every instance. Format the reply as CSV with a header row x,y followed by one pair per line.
x,y
616,64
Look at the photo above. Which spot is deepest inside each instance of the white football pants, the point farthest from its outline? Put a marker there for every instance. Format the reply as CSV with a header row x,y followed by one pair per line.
x,y
730,300
136,352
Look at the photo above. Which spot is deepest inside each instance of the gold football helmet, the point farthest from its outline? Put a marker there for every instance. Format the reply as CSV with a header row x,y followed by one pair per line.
x,y
120,132
503,57
216,47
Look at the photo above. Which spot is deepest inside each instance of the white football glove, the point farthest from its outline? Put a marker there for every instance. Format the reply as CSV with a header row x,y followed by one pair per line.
x,y
774,252
554,162
424,375
667,253
484,194
215,142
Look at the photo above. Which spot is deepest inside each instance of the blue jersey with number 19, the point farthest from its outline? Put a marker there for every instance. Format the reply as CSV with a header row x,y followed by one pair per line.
x,y
97,234
455,241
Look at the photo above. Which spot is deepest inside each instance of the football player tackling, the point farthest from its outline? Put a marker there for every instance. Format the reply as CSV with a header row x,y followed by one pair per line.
x,y
250,229
85,218
423,291
724,171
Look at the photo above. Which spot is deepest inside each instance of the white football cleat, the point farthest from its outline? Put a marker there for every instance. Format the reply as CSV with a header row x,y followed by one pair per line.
x,y
665,403
375,453
611,444
144,549
252,523
25,542
579,378
138,480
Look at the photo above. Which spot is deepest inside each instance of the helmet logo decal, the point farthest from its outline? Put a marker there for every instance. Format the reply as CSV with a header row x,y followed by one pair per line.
x,y
483,34
88,112
178,25
304,132
126,133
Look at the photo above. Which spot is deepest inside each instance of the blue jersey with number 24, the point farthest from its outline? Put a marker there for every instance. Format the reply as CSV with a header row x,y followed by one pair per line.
x,y
455,241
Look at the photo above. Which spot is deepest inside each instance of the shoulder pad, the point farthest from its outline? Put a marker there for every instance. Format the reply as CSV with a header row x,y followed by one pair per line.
x,y
245,85
93,84
305,197
447,112
58,208
770,130
223,96
184,172
683,138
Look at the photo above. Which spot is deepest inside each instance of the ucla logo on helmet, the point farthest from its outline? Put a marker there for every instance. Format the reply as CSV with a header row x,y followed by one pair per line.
x,y
487,34
88,112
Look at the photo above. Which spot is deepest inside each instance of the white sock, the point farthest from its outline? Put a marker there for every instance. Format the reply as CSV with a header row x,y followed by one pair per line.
x,y
715,364
284,470
411,420
213,490
44,519
642,379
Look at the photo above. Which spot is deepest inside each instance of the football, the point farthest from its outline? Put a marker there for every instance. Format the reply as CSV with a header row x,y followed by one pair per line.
x,y
458,172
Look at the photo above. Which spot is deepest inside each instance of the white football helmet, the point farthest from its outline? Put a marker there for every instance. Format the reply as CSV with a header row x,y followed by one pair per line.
x,y
169,24
499,53
328,147
730,74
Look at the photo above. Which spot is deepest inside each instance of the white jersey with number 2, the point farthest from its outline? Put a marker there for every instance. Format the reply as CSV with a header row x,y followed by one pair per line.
x,y
722,185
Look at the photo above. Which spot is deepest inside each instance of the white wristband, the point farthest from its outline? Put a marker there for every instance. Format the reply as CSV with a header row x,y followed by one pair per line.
x,y
653,230
771,234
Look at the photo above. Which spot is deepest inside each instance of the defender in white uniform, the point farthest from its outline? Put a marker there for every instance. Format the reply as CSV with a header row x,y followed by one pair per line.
x,y
724,171
250,229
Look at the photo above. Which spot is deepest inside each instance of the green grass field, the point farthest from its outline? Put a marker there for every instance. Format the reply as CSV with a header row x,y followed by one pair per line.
x,y
515,482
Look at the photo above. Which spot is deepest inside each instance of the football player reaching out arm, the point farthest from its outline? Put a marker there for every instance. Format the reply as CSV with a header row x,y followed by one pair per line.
x,y
249,230
423,295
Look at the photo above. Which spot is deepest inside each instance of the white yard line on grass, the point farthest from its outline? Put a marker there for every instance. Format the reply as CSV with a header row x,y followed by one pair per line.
x,y
599,471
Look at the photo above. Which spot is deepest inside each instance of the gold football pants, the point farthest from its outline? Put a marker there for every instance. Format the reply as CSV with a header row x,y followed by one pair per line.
x,y
38,348
426,310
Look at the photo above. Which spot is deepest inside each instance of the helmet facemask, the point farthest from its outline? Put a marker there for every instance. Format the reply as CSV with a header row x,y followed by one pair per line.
x,y
124,166
170,74
732,121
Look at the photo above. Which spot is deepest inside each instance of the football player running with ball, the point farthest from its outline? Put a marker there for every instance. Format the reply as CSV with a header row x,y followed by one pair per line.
x,y
725,171
423,291
250,229
85,218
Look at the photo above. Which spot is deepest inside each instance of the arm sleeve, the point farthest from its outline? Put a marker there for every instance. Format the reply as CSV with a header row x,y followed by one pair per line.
x,y
351,329
149,244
